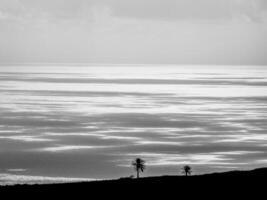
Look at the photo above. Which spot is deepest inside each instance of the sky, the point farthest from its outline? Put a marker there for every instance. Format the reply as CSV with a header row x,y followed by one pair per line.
x,y
58,123
229,32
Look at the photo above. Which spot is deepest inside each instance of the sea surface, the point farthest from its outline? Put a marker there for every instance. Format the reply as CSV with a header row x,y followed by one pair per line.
x,y
63,123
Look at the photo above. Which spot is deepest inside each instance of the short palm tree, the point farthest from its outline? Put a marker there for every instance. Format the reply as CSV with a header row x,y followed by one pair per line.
x,y
139,165
187,170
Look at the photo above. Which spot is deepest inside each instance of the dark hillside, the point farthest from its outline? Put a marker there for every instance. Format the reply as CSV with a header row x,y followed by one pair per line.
x,y
218,184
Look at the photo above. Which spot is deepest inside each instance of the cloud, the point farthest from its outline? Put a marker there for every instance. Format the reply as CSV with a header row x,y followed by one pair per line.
x,y
147,31
16,170
31,9
170,9
212,158
26,138
139,9
11,179
188,9
63,148
250,81
89,127
167,143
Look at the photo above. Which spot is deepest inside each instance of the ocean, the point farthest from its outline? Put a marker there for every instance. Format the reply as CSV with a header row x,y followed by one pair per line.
x,y
83,122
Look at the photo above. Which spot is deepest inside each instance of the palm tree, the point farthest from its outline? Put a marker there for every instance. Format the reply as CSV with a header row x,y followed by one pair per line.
x,y
139,165
187,170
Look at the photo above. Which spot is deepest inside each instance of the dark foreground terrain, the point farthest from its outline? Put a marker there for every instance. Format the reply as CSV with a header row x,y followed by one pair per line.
x,y
213,186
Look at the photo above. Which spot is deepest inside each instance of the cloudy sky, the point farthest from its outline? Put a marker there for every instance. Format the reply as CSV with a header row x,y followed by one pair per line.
x,y
91,122
134,31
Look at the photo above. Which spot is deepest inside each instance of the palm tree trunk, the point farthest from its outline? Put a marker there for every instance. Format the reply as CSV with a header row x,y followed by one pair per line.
x,y
137,173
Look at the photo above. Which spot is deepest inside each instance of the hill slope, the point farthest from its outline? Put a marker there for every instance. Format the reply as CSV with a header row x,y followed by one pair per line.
x,y
239,182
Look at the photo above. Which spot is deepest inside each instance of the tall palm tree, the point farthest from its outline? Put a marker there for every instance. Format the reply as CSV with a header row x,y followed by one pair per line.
x,y
187,170
139,165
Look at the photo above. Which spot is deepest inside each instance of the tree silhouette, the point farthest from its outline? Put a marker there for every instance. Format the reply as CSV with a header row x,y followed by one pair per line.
x,y
139,165
187,170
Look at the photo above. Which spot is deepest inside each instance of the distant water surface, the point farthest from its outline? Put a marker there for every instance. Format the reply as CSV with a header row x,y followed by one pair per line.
x,y
91,121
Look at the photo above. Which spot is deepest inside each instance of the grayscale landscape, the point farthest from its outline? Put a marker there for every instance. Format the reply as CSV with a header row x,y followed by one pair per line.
x,y
87,87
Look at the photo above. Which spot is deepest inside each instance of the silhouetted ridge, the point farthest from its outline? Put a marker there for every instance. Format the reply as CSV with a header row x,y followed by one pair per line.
x,y
239,182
